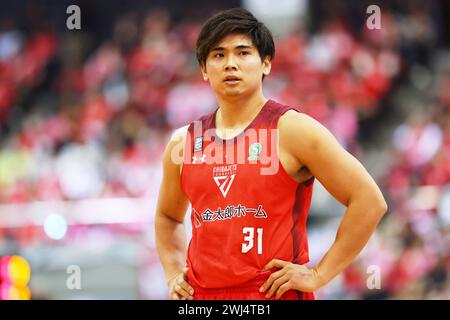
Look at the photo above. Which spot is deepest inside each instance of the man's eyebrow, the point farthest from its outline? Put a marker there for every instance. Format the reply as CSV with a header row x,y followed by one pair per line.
x,y
241,46
218,49
244,46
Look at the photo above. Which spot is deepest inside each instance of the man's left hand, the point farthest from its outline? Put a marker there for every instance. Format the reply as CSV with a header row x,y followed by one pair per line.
x,y
289,276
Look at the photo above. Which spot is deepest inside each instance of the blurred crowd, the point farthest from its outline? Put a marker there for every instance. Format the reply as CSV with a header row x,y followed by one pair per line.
x,y
81,119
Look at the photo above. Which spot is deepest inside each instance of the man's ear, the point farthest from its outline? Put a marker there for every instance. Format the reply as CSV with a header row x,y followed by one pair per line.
x,y
205,75
267,66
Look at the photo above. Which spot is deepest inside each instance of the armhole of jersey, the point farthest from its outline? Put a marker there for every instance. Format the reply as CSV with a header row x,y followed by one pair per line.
x,y
187,136
282,169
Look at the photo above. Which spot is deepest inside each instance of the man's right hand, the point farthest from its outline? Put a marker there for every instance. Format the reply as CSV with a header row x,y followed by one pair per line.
x,y
179,288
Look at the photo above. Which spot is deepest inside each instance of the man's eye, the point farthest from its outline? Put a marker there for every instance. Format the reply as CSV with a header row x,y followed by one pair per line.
x,y
244,53
218,55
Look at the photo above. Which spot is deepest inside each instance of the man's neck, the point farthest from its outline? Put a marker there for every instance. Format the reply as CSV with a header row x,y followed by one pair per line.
x,y
238,113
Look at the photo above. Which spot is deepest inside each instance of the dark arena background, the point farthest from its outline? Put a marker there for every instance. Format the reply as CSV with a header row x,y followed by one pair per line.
x,y
86,111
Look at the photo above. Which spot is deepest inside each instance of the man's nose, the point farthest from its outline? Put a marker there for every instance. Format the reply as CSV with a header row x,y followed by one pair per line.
x,y
230,63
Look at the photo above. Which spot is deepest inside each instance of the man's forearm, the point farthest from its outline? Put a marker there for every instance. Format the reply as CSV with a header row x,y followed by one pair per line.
x,y
355,230
171,244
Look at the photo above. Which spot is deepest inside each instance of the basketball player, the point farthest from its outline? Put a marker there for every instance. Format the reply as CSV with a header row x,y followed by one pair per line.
x,y
249,224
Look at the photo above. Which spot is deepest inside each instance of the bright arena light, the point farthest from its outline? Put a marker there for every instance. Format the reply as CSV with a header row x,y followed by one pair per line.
x,y
15,273
55,226
19,271
9,292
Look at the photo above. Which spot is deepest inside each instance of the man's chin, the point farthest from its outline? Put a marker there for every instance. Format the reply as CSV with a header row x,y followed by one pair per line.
x,y
232,93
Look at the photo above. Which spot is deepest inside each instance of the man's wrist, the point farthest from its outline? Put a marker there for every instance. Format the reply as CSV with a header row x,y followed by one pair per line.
x,y
172,276
320,277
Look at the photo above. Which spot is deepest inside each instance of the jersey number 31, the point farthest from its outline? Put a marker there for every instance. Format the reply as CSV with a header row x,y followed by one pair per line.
x,y
249,239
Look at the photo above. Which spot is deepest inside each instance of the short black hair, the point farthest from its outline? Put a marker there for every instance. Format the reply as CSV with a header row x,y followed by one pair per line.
x,y
236,20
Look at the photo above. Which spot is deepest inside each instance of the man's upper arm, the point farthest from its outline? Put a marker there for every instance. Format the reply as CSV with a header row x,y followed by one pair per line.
x,y
317,149
172,201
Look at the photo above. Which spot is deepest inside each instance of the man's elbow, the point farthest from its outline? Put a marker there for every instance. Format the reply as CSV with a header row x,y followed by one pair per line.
x,y
379,207
384,208
374,203
162,216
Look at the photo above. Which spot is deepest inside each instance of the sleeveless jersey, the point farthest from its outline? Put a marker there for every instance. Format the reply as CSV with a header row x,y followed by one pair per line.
x,y
246,209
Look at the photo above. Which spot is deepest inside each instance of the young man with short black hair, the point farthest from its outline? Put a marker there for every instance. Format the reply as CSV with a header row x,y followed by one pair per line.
x,y
248,169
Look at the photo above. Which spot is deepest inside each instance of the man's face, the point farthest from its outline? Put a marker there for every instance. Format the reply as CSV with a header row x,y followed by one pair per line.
x,y
234,67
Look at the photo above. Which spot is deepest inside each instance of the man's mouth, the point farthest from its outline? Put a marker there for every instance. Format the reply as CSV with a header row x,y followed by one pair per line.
x,y
232,80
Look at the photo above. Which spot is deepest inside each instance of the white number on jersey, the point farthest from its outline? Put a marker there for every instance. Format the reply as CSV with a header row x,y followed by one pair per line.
x,y
249,235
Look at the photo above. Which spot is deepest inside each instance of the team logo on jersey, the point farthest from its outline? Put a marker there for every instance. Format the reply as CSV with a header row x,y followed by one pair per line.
x,y
197,218
254,150
224,177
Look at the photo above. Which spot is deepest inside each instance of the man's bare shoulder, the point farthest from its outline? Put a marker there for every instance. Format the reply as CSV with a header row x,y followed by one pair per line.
x,y
174,152
302,136
179,134
296,125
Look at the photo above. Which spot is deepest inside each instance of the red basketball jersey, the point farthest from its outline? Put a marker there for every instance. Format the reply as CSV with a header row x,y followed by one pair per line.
x,y
246,209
